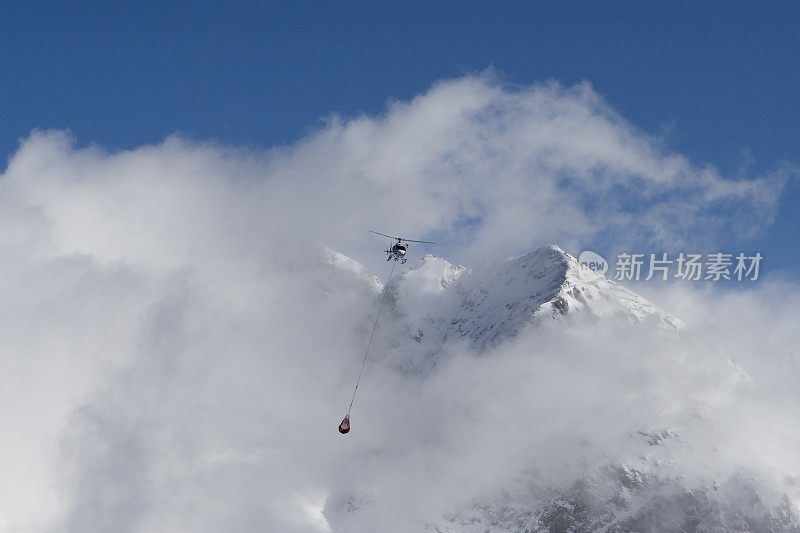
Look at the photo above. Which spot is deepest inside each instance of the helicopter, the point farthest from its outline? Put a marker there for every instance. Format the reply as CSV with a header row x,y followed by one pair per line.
x,y
398,250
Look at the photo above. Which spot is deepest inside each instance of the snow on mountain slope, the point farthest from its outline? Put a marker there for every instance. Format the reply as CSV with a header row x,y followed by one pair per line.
x,y
435,302
351,270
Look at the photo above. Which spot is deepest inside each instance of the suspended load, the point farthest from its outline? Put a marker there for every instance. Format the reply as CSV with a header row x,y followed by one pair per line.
x,y
344,427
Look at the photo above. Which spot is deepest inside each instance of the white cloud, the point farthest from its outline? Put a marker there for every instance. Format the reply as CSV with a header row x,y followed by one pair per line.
x,y
177,359
494,170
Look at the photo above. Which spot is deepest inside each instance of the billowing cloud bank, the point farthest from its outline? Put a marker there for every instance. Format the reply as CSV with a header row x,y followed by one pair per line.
x,y
176,356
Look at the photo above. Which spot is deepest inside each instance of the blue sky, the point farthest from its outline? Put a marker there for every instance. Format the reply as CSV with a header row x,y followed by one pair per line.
x,y
718,81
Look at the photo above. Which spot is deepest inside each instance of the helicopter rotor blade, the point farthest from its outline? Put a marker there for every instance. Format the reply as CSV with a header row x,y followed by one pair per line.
x,y
400,238
423,242
376,233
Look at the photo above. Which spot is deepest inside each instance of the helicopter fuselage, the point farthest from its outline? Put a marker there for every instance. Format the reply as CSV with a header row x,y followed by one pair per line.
x,y
397,252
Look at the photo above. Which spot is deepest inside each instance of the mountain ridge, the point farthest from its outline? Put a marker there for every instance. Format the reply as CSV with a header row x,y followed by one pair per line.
x,y
438,302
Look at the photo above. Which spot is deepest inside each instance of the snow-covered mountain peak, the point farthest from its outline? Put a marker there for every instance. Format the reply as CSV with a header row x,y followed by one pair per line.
x,y
562,287
432,274
434,302
498,300
343,264
438,301
495,302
